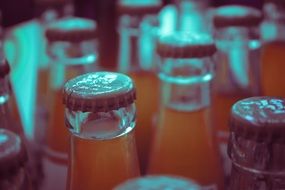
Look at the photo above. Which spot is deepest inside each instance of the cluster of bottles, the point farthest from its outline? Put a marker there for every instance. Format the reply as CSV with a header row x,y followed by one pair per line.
x,y
197,106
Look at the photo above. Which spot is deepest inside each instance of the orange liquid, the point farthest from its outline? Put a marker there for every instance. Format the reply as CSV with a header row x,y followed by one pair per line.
x,y
273,67
147,86
102,164
184,146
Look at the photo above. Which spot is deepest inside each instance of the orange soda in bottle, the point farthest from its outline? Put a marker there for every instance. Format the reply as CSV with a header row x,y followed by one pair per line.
x,y
237,66
273,56
184,142
137,30
100,115
72,51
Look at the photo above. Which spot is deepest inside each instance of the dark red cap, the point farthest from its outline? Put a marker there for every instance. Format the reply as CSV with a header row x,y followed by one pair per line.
x,y
13,154
236,15
4,68
99,92
139,7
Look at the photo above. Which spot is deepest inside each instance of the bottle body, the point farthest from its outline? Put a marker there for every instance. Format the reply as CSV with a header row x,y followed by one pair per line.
x,y
272,56
184,121
237,77
136,60
103,149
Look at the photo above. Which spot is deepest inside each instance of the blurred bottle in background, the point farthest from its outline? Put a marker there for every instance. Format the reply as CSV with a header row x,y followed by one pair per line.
x,y
237,65
137,40
13,162
184,140
192,15
157,182
10,119
72,49
100,114
273,56
256,144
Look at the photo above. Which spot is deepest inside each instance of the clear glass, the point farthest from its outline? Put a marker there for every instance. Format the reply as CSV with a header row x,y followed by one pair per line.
x,y
273,57
104,143
184,121
237,77
192,15
136,58
256,165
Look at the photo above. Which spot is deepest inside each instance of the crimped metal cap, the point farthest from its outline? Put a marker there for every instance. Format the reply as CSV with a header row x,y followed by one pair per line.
x,y
259,118
139,7
185,45
99,92
236,15
13,154
159,183
4,67
71,29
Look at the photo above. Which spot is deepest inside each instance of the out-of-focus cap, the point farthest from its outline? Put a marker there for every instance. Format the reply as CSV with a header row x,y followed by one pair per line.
x,y
185,45
71,29
236,15
13,154
139,7
158,183
99,92
4,67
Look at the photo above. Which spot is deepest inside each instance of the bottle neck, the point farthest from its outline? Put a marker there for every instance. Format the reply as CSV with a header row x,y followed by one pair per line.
x,y
137,39
101,125
238,60
273,26
71,59
185,83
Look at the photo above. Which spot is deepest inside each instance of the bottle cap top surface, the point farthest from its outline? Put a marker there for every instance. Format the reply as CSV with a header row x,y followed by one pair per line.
x,y
139,7
99,92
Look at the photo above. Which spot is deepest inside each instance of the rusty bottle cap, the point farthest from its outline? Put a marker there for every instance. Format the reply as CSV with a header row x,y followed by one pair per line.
x,y
159,183
257,137
13,154
99,92
4,68
71,29
236,15
138,7
185,45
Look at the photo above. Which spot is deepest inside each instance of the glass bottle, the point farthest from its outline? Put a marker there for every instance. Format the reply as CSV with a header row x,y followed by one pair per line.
x,y
13,162
256,144
273,56
237,66
72,51
183,139
100,115
10,120
135,59
158,182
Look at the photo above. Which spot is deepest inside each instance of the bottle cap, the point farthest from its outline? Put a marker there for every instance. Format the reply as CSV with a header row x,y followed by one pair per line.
x,y
13,154
236,15
259,118
99,92
185,45
4,67
158,183
257,133
71,29
139,7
